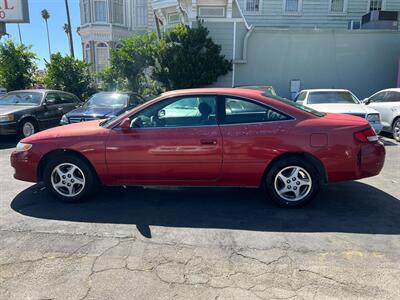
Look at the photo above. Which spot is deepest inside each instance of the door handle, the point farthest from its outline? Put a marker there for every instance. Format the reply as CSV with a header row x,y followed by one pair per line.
x,y
208,142
59,108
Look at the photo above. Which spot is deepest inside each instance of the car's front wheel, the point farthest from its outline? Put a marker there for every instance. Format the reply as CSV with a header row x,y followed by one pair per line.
x,y
69,178
27,128
396,130
292,182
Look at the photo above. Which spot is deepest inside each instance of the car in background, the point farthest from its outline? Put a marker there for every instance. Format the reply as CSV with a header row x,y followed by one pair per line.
x,y
287,149
3,91
103,105
267,89
387,102
341,102
26,112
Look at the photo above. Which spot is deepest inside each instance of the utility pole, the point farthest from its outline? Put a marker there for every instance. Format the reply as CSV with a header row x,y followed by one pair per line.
x,y
2,29
71,43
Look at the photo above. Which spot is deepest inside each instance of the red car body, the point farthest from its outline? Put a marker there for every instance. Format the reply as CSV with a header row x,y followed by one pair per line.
x,y
216,155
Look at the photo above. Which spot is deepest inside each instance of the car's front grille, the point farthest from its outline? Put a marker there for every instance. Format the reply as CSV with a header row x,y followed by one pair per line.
x,y
80,119
357,115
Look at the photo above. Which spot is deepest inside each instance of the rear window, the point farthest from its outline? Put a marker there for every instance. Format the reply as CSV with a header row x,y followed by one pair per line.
x,y
331,97
298,106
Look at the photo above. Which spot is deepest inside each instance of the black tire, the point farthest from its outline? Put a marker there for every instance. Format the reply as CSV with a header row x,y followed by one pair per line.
x,y
396,132
89,178
271,180
27,122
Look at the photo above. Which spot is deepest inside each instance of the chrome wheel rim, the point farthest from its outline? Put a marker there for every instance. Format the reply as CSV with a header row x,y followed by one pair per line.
x,y
68,180
396,130
293,183
28,129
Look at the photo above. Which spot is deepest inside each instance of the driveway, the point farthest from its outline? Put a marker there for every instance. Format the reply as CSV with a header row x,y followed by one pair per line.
x,y
201,243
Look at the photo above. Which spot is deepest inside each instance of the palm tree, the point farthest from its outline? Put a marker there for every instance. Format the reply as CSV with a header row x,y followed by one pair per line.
x,y
46,16
70,40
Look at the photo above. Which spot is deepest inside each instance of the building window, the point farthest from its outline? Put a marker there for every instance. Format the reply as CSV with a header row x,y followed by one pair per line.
x,y
87,53
173,18
118,11
102,55
375,5
141,13
252,6
338,6
86,12
100,11
292,6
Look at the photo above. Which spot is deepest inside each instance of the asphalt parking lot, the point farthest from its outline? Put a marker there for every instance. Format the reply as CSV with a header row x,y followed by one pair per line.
x,y
201,243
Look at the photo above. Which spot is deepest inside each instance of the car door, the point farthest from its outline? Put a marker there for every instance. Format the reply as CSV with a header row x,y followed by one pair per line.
x,y
176,140
253,134
68,102
49,116
380,103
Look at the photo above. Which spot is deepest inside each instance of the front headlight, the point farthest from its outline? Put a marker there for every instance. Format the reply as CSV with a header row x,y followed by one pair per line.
x,y
64,120
6,118
373,118
22,147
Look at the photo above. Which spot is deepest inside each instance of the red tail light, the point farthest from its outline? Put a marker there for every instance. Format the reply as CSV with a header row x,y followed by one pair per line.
x,y
367,135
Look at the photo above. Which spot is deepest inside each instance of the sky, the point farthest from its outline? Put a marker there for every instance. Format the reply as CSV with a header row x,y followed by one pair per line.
x,y
34,33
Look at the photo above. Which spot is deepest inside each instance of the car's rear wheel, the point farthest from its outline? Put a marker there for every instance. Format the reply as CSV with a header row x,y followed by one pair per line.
x,y
396,129
27,128
69,178
292,182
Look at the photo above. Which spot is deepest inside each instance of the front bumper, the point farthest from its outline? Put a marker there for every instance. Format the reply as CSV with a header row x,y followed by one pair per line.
x,y
25,166
8,128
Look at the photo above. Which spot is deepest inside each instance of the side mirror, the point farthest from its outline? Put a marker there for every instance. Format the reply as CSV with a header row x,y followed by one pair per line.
x,y
366,101
125,124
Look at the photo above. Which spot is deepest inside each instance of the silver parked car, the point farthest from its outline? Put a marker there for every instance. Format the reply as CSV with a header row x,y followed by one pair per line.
x,y
387,102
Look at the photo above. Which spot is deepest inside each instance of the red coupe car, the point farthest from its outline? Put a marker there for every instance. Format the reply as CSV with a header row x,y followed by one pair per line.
x,y
205,137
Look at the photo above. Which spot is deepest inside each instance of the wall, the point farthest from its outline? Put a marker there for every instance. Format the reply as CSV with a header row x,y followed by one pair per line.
x,y
362,61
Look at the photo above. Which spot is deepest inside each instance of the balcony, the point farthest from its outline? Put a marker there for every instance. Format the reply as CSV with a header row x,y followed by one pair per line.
x,y
159,4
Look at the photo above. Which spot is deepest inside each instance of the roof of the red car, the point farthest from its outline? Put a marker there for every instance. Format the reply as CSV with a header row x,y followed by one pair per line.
x,y
224,91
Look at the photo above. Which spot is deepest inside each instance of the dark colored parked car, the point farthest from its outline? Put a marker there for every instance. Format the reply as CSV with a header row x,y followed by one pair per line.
x,y
102,106
26,112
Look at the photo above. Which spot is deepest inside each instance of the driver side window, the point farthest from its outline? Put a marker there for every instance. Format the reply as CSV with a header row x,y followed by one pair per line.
x,y
52,98
178,112
378,97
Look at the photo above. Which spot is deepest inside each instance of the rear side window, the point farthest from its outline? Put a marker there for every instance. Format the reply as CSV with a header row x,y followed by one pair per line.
x,y
239,111
67,98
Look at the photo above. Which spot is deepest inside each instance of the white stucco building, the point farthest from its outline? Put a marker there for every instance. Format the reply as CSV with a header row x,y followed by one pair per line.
x,y
105,22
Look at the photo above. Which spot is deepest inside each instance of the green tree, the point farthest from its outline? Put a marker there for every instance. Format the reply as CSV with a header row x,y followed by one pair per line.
x,y
70,75
188,58
46,16
17,66
133,58
111,81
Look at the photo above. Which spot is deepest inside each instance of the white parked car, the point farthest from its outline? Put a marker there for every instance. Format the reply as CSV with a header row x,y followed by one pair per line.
x,y
340,102
387,102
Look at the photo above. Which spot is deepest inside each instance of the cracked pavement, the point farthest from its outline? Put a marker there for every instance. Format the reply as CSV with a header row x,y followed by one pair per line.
x,y
201,243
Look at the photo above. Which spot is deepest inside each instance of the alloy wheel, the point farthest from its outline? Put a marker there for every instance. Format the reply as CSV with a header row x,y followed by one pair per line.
x,y
28,129
396,130
68,180
293,183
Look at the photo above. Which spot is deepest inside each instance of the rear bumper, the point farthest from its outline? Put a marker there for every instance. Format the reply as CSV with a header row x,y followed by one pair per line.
x,y
9,128
25,168
371,159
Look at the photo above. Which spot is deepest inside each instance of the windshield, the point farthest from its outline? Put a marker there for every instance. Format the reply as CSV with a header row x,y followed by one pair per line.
x,y
21,98
299,106
109,100
331,97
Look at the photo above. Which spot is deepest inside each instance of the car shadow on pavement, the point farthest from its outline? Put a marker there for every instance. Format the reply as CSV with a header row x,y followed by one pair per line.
x,y
351,207
8,142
